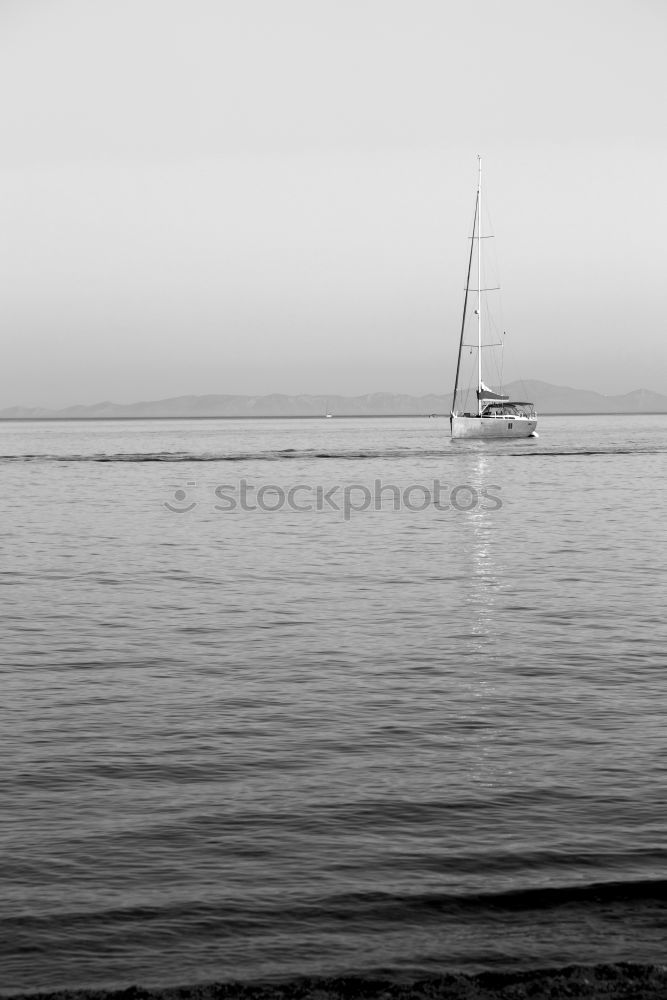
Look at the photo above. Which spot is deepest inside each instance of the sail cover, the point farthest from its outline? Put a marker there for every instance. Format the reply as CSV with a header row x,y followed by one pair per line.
x,y
486,393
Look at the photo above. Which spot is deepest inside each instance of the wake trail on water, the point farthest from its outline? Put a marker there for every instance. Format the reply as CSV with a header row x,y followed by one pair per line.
x,y
370,907
287,454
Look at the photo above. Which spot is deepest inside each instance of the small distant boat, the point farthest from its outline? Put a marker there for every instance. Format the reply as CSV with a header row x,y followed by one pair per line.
x,y
326,413
497,415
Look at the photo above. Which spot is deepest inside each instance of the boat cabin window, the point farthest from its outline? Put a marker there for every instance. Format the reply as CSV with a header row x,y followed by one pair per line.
x,y
499,410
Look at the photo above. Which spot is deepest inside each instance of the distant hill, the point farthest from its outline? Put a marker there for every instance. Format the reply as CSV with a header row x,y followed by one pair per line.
x,y
547,398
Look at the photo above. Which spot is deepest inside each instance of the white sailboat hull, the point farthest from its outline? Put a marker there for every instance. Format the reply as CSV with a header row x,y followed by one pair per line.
x,y
493,427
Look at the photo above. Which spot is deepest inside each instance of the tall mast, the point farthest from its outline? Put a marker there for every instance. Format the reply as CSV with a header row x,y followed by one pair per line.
x,y
465,310
479,288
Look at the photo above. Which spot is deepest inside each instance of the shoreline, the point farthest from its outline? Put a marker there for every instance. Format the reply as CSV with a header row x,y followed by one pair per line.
x,y
312,416
618,981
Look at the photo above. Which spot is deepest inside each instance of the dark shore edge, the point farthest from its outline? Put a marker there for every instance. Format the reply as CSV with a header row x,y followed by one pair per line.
x,y
621,981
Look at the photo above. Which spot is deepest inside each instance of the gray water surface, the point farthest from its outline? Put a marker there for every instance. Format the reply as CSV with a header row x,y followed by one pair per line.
x,y
261,743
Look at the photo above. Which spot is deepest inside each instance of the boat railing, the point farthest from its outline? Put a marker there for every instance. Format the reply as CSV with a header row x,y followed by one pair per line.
x,y
524,414
521,415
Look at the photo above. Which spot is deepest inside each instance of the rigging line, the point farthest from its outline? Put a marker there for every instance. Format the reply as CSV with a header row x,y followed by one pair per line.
x,y
469,390
478,310
512,359
498,366
494,318
465,307
467,395
497,276
502,362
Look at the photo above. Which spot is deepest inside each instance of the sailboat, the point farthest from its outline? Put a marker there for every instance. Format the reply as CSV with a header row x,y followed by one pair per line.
x,y
497,415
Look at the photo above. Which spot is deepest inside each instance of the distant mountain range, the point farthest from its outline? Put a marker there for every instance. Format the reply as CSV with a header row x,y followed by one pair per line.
x,y
547,398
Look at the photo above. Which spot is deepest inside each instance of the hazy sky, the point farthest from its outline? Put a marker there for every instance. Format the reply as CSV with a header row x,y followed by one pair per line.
x,y
275,195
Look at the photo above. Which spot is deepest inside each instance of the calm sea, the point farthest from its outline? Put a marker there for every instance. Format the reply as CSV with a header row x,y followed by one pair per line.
x,y
287,697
